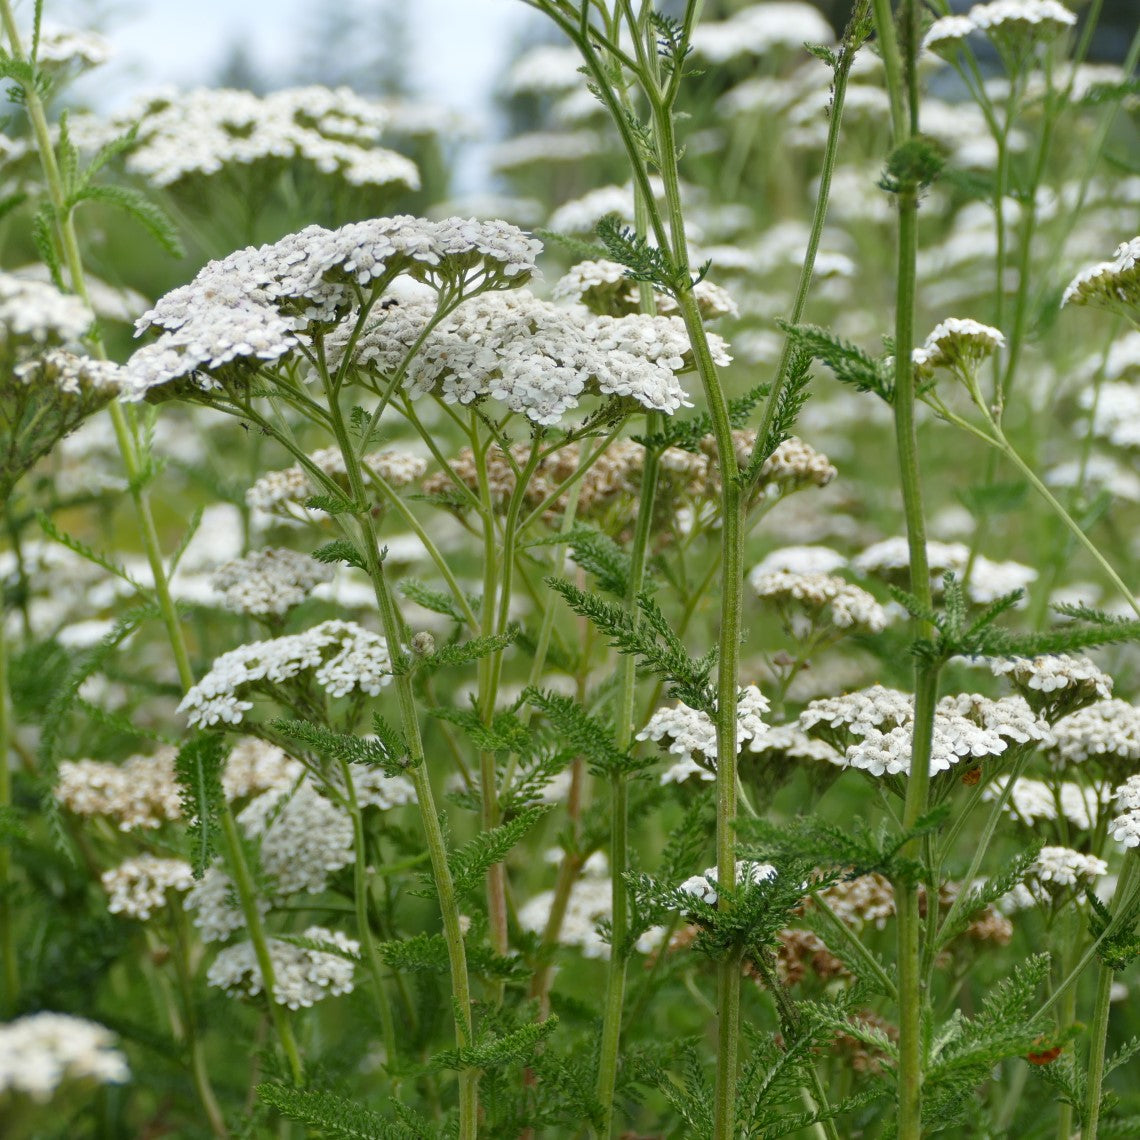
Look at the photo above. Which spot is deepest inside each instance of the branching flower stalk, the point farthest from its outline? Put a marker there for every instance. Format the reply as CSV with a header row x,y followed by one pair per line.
x,y
416,764
898,64
1123,901
132,461
854,36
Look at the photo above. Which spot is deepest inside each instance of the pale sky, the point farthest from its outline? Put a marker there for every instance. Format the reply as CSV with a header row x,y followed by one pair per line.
x,y
459,48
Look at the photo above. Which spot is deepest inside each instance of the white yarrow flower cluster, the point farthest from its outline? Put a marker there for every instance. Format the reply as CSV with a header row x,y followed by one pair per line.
x,y
1125,828
1031,801
256,305
759,29
302,977
76,48
302,837
704,886
989,580
875,727
691,734
37,314
825,599
138,886
139,793
1108,731
1010,23
1054,684
269,581
284,491
1110,283
537,358
591,901
255,766
41,1051
799,560
203,131
957,344
338,656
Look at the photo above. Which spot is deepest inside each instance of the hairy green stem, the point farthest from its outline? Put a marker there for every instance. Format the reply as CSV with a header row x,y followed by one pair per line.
x,y
1098,1028
247,897
9,964
360,900
899,68
417,772
198,1068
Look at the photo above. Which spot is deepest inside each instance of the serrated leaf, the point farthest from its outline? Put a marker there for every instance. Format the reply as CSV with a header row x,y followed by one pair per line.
x,y
136,205
339,550
198,771
334,1117
471,861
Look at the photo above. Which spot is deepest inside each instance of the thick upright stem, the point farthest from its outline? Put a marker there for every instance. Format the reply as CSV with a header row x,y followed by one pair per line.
x,y
1123,898
247,897
899,68
363,926
9,967
417,772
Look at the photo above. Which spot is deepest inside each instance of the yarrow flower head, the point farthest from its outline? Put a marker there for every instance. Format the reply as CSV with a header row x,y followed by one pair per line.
x,y
38,1053
268,582
1019,24
139,886
958,345
1106,733
141,793
946,35
256,306
1125,828
591,901
187,135
691,734
1113,284
810,602
302,976
1032,801
1055,684
705,885
337,656
874,728
533,356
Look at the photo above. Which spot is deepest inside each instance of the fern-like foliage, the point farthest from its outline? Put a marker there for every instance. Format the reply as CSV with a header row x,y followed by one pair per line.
x,y
583,733
687,434
334,1117
340,550
470,862
464,652
979,897
505,732
850,365
599,555
198,770
642,261
1119,935
790,402
491,1051
957,633
651,639
854,846
434,600
390,756
964,1051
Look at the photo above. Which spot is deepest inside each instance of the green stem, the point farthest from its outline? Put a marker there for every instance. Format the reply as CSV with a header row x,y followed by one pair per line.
x,y
417,772
9,964
247,896
360,900
899,70
198,1067
1098,1029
